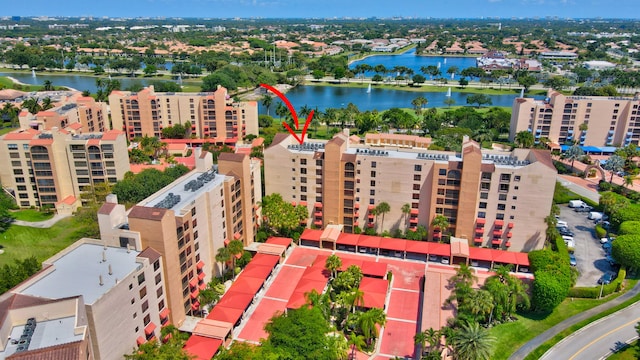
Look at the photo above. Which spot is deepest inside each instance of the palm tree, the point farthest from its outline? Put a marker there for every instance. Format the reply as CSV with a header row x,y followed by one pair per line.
x,y
524,139
46,103
472,342
367,322
573,153
614,163
406,210
628,180
483,134
236,248
223,256
480,303
356,342
382,209
31,105
332,264
449,101
267,101
418,103
358,299
47,85
440,222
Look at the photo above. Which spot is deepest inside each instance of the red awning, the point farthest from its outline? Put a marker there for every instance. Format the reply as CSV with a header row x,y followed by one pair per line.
x,y
414,211
522,258
201,276
293,203
510,225
413,220
437,235
149,329
482,254
317,214
193,282
195,306
496,241
236,236
236,300
200,265
202,286
303,203
439,249
369,241
195,293
372,268
509,234
164,313
140,340
418,247
356,206
348,239
499,223
507,244
393,244
317,223
226,242
371,207
225,314
318,205
481,221
370,224
370,216
479,230
497,232
311,234
477,240
202,348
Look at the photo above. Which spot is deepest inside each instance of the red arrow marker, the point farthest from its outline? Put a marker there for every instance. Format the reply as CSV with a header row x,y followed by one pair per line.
x,y
293,114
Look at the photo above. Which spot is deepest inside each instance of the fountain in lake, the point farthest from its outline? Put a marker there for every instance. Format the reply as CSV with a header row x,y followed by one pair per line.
x,y
369,89
33,72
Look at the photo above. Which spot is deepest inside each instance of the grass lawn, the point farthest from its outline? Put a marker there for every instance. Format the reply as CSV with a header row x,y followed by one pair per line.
x,y
6,130
627,353
21,242
31,215
6,83
510,336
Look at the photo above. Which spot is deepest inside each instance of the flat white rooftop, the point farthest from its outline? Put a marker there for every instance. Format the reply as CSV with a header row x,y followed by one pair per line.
x,y
46,334
184,191
77,273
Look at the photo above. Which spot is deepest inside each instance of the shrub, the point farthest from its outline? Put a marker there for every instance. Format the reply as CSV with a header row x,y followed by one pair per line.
x,y
547,291
625,250
627,213
594,291
604,186
600,231
629,228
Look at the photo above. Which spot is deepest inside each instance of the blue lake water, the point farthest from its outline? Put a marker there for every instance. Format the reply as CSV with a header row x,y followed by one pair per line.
x,y
324,97
415,62
78,82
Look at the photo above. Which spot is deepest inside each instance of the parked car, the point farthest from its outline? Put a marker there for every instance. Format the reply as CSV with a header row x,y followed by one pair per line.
x,y
607,247
611,260
445,260
572,260
561,223
577,203
566,232
607,278
595,215
583,209
570,244
433,257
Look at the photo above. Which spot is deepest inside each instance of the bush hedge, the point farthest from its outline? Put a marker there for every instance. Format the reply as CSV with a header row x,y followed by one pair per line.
x,y
629,228
600,232
594,291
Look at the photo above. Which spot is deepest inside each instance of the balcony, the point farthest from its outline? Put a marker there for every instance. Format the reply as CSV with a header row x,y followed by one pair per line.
x,y
496,241
413,220
317,223
370,224
477,240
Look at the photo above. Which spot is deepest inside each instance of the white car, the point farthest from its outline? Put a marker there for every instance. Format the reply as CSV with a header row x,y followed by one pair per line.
x,y
561,223
604,240
570,244
445,260
594,215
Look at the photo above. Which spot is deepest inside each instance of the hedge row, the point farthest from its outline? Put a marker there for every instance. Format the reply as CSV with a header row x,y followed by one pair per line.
x,y
594,291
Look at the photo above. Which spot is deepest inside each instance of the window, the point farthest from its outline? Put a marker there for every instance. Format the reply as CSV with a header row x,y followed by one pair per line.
x,y
442,172
373,164
516,178
485,186
501,206
416,196
373,174
486,176
158,278
373,183
482,214
416,177
417,168
143,292
145,306
140,278
160,305
159,292
303,188
372,192
416,186
499,216
502,197
147,320
505,177
483,205
372,201
504,188
303,161
484,195
130,286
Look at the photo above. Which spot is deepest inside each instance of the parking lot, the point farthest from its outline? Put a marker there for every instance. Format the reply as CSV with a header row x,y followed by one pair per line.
x,y
590,256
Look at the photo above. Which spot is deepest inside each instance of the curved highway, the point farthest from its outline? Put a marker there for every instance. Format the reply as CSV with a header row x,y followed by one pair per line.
x,y
598,339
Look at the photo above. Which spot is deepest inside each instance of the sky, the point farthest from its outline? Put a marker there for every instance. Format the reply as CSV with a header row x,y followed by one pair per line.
x,y
328,8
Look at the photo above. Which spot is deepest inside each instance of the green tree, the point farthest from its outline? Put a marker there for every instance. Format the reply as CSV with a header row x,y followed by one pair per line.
x,y
223,256
557,82
463,82
548,291
211,294
236,248
418,79
418,103
382,209
332,264
472,342
47,85
267,101
367,322
281,216
573,153
449,101
172,349
356,342
406,210
524,139
441,223
625,250
480,99
527,81
614,163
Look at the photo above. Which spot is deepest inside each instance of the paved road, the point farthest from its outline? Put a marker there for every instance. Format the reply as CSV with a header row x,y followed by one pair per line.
x,y
41,224
553,331
598,339
580,190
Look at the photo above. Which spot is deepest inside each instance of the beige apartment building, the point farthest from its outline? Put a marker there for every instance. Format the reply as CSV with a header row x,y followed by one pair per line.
x,y
188,221
583,120
214,115
491,198
114,299
51,168
81,113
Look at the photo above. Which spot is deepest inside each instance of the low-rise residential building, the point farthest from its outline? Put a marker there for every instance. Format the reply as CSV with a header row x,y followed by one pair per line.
x,y
491,198
121,289
215,116
82,113
52,168
585,120
188,221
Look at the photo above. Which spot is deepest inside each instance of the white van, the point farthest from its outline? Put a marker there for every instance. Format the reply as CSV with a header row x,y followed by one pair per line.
x,y
567,238
594,215
561,224
577,204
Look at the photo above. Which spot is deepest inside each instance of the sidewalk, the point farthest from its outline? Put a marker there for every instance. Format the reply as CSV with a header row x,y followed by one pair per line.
x,y
527,348
41,224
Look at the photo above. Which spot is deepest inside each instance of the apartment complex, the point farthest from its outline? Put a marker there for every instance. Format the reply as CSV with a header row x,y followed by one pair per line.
x,y
188,221
80,113
50,168
490,198
105,300
584,120
214,116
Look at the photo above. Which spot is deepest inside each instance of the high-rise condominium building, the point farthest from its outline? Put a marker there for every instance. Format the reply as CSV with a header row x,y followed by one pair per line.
x,y
119,300
188,221
80,113
215,115
583,120
491,198
51,168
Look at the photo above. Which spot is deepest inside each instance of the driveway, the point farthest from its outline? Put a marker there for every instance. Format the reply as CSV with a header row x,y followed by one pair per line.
x,y
589,253
41,224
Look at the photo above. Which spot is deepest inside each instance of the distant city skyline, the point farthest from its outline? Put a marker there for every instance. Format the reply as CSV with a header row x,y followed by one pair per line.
x,y
328,8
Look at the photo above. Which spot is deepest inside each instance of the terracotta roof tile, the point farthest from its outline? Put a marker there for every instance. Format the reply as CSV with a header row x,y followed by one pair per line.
x,y
68,351
150,213
151,254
